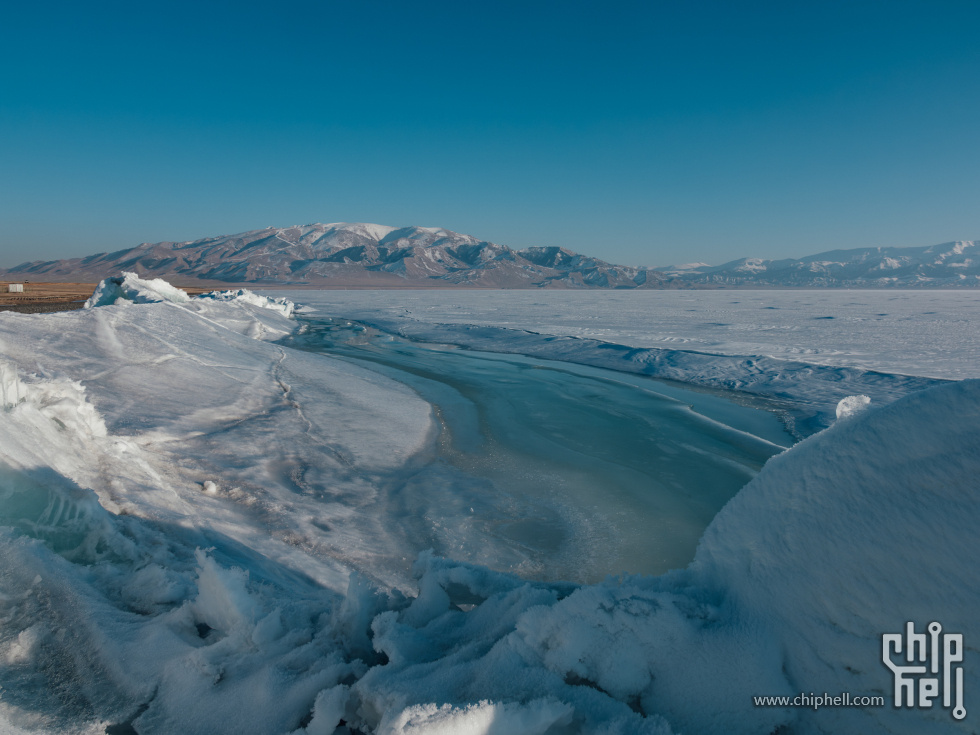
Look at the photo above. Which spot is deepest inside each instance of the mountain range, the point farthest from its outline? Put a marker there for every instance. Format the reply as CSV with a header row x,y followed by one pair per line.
x,y
952,264
366,255
345,254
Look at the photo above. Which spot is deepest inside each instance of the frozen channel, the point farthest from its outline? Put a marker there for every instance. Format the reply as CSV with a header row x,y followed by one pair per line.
x,y
553,470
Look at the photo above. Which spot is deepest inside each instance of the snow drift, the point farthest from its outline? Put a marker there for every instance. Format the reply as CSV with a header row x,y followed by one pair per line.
x,y
157,578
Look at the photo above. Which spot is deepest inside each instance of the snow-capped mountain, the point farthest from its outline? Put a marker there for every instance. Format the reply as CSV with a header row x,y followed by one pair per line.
x,y
358,254
346,254
949,264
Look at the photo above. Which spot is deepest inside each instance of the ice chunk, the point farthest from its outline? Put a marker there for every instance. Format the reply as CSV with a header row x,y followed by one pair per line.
x,y
242,295
129,287
328,710
852,405
223,602
483,718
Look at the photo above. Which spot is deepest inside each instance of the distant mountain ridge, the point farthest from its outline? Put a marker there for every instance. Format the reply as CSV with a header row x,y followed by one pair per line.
x,y
952,264
379,256
350,254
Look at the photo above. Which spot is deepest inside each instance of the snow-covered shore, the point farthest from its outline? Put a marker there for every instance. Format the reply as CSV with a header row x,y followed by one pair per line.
x,y
187,542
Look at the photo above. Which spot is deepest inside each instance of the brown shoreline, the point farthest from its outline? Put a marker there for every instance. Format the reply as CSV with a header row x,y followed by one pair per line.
x,y
42,307
41,298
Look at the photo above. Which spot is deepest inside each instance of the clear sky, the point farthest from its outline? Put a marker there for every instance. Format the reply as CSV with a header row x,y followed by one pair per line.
x,y
640,132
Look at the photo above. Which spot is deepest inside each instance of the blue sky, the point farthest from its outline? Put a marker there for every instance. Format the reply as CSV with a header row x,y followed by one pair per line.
x,y
640,132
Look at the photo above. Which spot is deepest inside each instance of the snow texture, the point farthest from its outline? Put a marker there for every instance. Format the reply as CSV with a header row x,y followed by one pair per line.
x,y
156,578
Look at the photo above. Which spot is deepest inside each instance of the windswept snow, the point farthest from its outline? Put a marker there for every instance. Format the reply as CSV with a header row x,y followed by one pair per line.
x,y
202,379
852,533
188,543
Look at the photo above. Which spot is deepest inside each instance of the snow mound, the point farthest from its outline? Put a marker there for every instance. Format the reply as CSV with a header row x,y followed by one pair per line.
x,y
851,534
244,296
130,288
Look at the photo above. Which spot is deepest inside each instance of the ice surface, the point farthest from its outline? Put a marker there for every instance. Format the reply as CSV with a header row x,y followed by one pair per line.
x,y
922,333
553,470
186,545
811,347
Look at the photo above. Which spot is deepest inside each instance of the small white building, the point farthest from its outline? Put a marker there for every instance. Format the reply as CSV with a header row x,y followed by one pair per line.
x,y
15,288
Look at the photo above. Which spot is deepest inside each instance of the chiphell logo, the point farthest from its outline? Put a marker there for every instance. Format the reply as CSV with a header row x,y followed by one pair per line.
x,y
926,671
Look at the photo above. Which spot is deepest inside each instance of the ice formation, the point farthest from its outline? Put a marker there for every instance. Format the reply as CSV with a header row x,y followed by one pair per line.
x,y
186,546
130,288
852,405
811,347
282,305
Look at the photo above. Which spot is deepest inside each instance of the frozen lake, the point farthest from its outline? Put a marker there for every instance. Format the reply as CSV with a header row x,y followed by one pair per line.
x,y
569,470
553,470
803,351
925,333
208,531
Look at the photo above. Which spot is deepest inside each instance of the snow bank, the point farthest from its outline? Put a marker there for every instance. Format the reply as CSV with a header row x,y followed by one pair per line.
x,y
483,718
49,423
853,533
114,627
185,387
121,461
130,288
